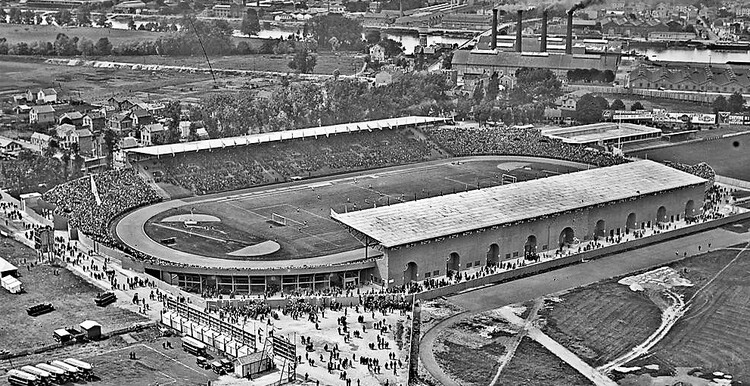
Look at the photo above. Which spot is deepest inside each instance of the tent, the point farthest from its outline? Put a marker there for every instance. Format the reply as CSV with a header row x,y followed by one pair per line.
x,y
7,268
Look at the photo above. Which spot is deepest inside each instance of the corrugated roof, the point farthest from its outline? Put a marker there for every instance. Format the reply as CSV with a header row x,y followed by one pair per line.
x,y
219,143
443,216
522,60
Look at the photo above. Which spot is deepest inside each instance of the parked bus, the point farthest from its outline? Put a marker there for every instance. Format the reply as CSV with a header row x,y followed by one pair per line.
x,y
85,368
71,371
58,375
45,377
22,378
193,346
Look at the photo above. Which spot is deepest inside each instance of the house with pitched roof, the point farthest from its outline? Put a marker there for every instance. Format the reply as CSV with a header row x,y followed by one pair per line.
x,y
42,114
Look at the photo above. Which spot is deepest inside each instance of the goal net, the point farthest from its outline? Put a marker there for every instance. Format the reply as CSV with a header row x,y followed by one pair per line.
x,y
278,219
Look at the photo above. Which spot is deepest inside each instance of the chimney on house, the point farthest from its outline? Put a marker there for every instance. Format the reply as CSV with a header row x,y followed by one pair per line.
x,y
519,29
493,44
569,39
543,43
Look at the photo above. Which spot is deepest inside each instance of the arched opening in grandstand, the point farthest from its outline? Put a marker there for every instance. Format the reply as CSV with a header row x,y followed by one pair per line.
x,y
567,236
601,229
690,209
661,214
631,222
453,263
410,273
493,255
529,249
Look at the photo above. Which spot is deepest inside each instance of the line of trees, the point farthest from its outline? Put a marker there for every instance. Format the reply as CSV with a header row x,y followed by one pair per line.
x,y
591,76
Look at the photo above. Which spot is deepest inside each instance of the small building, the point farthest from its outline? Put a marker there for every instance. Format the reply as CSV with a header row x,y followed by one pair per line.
x,y
64,133
8,145
30,96
7,269
255,363
377,53
130,7
153,134
120,123
21,109
91,329
12,284
42,114
46,95
141,117
202,133
73,117
41,140
85,141
570,100
94,120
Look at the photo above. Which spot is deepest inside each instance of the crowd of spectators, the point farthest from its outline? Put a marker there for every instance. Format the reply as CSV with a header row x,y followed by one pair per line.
x,y
118,190
241,167
702,170
465,141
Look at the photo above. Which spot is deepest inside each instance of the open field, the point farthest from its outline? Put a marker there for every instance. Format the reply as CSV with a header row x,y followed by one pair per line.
x,y
712,335
728,156
471,349
71,296
534,365
245,219
602,321
16,33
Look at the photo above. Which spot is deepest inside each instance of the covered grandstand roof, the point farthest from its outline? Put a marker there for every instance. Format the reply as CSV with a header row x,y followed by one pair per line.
x,y
452,214
596,132
219,143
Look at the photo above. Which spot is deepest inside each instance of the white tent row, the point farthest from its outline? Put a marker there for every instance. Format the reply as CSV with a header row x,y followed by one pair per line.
x,y
221,343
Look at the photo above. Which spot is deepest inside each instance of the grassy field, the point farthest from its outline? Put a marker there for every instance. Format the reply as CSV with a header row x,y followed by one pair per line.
x,y
247,218
16,33
71,296
712,335
601,321
534,365
728,156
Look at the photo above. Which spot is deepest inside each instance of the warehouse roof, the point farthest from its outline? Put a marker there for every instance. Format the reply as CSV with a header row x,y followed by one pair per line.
x,y
453,214
390,123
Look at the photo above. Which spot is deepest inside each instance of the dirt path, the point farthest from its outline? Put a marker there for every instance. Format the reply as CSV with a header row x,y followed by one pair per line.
x,y
517,291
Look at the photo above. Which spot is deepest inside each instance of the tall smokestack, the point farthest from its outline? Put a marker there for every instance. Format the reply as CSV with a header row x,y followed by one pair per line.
x,y
519,29
543,44
569,40
493,44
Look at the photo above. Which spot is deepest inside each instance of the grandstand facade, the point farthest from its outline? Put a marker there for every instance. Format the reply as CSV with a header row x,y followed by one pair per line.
x,y
427,238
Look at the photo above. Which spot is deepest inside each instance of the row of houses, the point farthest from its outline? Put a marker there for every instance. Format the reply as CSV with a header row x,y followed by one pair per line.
x,y
727,78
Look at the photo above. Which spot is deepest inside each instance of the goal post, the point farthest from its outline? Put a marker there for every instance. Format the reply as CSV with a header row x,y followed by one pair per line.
x,y
278,219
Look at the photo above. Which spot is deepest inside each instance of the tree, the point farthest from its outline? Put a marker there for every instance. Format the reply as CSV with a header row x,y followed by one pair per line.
x,y
736,102
589,108
348,32
372,36
493,87
83,16
448,60
250,22
63,17
636,106
102,21
16,16
478,93
131,24
86,47
303,61
392,48
617,105
103,46
3,15
65,46
720,103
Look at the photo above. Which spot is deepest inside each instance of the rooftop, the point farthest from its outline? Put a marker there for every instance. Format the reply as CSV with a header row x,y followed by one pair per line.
x,y
598,132
219,143
442,216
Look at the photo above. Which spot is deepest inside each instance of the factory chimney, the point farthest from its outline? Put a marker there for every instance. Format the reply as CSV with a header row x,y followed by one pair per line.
x,y
569,39
543,43
493,44
519,29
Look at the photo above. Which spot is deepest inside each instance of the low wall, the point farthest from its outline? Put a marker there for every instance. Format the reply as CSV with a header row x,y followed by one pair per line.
x,y
416,326
733,182
574,259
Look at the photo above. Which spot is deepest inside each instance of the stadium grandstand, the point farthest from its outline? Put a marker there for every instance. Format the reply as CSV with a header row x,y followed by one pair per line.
x,y
429,237
605,133
91,205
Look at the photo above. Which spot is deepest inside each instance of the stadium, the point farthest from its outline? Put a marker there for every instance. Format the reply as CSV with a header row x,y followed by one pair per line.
x,y
390,202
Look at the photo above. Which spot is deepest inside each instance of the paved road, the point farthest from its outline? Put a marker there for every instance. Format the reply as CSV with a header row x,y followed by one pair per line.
x,y
532,287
